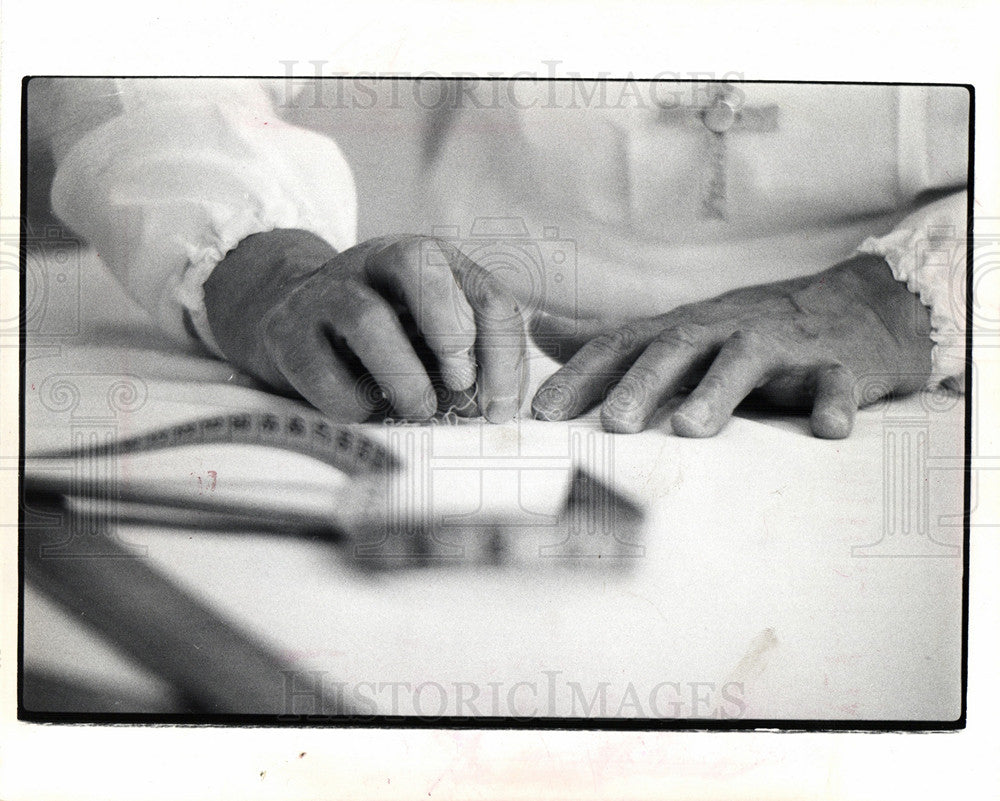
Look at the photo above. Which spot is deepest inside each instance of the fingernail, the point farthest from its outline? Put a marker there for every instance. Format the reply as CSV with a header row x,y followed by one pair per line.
x,y
696,411
551,414
500,410
691,420
464,403
452,351
549,403
832,424
620,425
622,404
548,415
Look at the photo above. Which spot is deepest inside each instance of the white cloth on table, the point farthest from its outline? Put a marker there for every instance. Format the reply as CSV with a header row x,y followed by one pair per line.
x,y
819,579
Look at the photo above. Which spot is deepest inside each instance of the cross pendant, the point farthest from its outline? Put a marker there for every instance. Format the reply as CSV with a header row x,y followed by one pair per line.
x,y
724,112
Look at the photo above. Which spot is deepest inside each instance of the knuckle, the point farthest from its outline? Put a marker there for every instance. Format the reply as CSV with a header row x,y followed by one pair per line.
x,y
687,335
408,251
350,296
749,341
584,370
294,357
838,370
371,319
277,325
838,377
445,249
367,314
372,248
712,384
437,281
686,312
619,342
640,379
493,301
454,340
321,293
397,253
377,243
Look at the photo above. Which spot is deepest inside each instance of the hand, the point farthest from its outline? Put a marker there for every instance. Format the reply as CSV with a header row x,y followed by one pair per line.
x,y
399,322
798,343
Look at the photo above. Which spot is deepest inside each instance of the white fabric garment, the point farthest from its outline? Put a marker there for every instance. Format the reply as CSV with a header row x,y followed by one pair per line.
x,y
619,179
174,173
182,173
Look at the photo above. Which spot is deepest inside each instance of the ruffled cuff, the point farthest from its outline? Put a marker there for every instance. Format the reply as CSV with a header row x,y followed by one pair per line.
x,y
220,238
927,252
186,172
287,195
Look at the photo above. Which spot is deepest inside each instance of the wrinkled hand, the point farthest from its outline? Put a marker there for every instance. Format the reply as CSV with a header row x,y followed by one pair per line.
x,y
403,323
807,342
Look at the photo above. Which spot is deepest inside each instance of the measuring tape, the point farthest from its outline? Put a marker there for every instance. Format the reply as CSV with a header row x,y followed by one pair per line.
x,y
596,525
342,446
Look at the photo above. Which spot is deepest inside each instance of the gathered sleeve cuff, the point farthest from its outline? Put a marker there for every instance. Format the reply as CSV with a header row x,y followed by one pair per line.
x,y
187,170
927,252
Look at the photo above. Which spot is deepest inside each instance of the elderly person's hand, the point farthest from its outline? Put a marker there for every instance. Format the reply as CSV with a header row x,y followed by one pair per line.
x,y
402,324
802,343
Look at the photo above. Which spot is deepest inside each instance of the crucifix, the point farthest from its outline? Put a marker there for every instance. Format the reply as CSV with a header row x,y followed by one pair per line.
x,y
724,112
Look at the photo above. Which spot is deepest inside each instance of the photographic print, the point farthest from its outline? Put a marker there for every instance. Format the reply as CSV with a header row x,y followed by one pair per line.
x,y
539,402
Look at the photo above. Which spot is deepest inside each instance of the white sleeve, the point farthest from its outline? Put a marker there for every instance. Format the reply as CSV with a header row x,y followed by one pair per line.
x,y
185,171
927,252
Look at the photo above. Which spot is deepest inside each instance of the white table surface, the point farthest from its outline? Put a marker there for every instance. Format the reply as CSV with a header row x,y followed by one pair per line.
x,y
771,562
